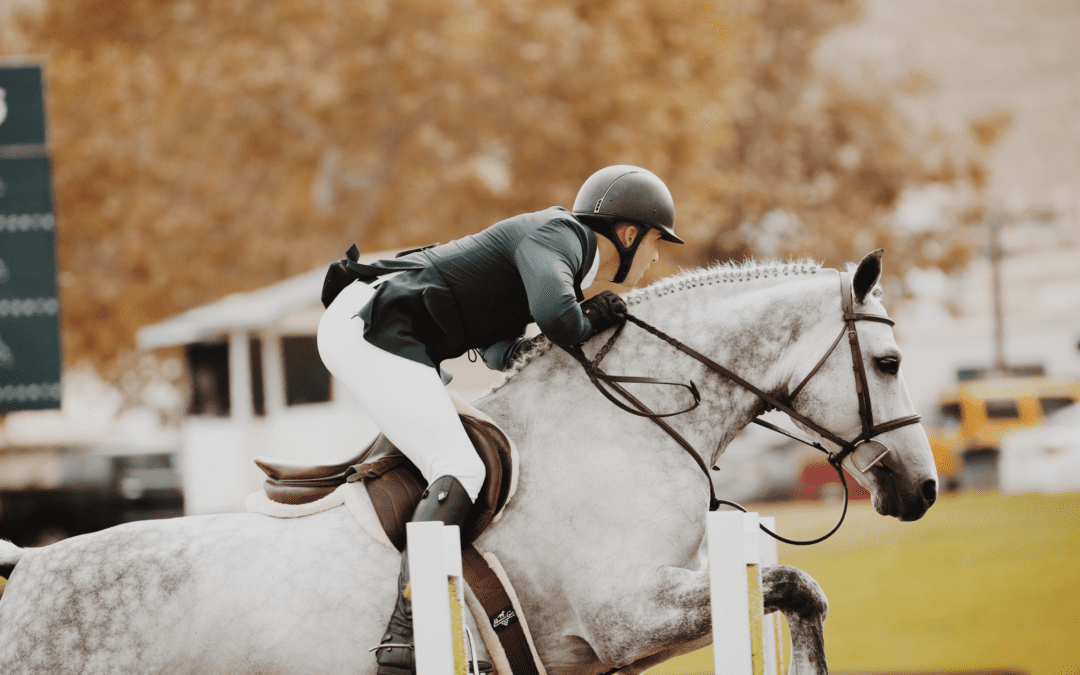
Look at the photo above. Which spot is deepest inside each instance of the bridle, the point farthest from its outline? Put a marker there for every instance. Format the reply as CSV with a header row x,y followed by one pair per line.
x,y
785,404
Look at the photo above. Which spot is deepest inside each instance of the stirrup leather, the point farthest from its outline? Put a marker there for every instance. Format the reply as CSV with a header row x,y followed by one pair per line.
x,y
444,500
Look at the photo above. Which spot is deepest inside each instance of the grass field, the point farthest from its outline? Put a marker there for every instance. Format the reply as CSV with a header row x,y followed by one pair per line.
x,y
983,582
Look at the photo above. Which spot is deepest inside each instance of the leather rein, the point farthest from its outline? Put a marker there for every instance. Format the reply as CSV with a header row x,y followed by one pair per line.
x,y
869,430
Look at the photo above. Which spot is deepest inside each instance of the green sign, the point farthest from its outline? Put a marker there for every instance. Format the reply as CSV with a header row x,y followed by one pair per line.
x,y
22,106
29,302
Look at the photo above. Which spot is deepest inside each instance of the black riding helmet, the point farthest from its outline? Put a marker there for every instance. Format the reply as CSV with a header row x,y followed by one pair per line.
x,y
628,194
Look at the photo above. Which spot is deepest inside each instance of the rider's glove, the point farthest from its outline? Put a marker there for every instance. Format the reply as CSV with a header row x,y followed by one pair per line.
x,y
604,311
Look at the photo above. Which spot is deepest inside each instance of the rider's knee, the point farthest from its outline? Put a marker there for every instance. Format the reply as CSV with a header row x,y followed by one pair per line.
x,y
470,472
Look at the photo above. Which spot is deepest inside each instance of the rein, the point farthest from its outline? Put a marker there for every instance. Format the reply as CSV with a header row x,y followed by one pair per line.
x,y
869,430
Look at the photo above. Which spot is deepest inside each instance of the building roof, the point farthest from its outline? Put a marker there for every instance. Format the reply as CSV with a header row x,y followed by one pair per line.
x,y
260,308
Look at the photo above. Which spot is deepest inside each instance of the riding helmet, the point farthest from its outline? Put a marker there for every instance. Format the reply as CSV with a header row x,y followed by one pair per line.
x,y
630,194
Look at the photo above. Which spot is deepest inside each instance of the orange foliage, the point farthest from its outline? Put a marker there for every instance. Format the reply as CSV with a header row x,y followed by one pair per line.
x,y
203,148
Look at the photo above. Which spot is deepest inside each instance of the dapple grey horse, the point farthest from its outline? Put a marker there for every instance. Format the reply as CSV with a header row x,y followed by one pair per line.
x,y
604,539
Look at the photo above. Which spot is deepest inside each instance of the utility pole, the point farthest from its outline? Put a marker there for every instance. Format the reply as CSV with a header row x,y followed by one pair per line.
x,y
995,223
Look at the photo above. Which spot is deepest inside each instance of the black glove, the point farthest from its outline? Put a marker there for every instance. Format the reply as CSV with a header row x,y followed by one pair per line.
x,y
604,311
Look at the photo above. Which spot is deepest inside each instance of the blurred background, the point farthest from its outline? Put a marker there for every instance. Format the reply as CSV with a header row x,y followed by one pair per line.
x,y
204,161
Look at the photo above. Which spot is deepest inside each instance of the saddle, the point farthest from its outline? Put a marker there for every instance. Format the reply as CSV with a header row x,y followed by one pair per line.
x,y
394,484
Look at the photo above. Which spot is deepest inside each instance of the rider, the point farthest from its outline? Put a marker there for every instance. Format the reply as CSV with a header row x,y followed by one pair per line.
x,y
385,339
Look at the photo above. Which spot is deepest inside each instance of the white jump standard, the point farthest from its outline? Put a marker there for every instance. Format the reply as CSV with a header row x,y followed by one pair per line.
x,y
436,582
745,641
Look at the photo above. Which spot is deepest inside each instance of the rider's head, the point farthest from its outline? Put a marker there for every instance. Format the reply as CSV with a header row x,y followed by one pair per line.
x,y
631,207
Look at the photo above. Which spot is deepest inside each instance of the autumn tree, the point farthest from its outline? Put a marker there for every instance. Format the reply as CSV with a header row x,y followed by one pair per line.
x,y
204,148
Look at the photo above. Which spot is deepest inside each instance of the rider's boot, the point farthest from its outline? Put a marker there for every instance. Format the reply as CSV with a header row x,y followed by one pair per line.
x,y
444,500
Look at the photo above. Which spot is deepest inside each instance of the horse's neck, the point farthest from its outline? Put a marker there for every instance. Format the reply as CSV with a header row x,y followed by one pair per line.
x,y
749,326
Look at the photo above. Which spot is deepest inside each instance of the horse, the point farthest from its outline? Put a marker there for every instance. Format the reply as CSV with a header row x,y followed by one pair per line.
x,y
604,539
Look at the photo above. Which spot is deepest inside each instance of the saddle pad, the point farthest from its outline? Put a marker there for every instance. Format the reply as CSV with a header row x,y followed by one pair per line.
x,y
353,496
395,485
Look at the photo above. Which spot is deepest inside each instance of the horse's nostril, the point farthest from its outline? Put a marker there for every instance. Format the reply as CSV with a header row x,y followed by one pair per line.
x,y
929,491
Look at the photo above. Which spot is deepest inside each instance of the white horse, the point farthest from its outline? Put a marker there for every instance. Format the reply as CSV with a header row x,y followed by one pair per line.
x,y
603,540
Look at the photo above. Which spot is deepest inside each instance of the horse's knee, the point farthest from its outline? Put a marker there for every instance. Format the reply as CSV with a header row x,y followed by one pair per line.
x,y
793,591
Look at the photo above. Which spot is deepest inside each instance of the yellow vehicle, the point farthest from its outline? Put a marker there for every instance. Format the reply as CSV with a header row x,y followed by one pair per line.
x,y
972,418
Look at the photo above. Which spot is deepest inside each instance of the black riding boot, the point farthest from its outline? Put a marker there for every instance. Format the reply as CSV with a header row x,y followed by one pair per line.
x,y
444,500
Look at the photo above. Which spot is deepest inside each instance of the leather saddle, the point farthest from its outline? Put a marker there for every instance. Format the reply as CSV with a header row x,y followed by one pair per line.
x,y
393,483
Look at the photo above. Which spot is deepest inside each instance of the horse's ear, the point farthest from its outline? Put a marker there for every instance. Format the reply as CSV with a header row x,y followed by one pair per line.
x,y
867,275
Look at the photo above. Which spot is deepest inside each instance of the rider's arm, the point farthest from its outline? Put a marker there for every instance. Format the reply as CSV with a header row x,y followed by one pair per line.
x,y
547,261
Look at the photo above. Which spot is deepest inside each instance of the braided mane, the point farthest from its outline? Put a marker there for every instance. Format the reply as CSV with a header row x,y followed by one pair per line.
x,y
723,273
717,273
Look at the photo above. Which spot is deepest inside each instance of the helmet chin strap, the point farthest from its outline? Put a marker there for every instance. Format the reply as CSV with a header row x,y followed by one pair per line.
x,y
626,253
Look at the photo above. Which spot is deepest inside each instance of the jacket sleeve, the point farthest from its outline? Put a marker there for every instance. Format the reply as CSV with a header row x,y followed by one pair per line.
x,y
547,260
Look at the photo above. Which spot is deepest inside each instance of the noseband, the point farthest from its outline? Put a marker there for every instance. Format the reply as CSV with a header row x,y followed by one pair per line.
x,y
847,447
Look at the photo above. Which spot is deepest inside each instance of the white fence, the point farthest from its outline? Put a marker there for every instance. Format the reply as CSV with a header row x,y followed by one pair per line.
x,y
745,641
437,598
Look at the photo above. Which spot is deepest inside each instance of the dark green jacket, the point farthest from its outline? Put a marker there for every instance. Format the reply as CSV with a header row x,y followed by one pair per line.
x,y
481,291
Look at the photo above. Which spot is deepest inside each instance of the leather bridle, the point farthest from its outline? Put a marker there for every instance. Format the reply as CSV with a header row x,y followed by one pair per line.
x,y
774,402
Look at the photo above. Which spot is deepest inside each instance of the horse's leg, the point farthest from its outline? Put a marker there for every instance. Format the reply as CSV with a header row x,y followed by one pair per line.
x,y
795,593
672,609
684,625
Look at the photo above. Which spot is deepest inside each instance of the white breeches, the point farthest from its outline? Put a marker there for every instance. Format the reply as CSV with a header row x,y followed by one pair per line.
x,y
405,399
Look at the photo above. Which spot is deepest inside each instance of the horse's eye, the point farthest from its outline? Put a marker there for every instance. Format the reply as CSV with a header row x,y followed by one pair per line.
x,y
890,365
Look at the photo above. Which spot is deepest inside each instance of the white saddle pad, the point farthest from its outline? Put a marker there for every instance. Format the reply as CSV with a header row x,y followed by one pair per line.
x,y
352,496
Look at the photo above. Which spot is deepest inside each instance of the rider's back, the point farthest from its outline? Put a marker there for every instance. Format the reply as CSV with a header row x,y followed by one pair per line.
x,y
487,287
